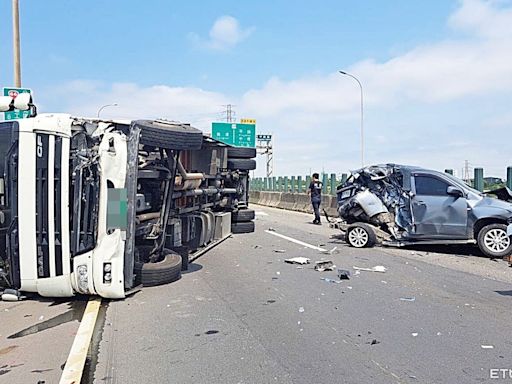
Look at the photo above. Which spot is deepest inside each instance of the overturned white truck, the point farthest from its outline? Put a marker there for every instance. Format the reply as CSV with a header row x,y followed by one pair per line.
x,y
99,207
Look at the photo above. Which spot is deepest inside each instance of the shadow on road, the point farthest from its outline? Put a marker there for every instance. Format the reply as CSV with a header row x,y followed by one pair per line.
x,y
193,267
504,293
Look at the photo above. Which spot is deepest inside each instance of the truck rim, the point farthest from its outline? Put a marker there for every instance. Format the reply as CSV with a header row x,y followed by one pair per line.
x,y
496,240
358,237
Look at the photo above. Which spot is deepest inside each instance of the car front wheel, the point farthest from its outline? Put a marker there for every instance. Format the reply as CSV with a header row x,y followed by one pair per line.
x,y
360,235
493,240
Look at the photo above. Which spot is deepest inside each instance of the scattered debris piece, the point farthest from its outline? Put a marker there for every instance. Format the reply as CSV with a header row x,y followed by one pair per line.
x,y
383,282
349,287
271,229
326,279
301,309
257,247
278,273
373,342
377,268
343,274
414,334
298,260
407,299
439,333
279,250
487,346
324,265
41,318
330,252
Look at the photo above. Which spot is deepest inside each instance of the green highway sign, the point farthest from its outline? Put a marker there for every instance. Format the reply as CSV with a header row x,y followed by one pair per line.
x,y
238,135
16,114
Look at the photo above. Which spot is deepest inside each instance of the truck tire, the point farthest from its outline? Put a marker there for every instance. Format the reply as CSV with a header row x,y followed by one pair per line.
x,y
244,227
169,135
242,152
360,235
242,215
494,242
242,164
163,272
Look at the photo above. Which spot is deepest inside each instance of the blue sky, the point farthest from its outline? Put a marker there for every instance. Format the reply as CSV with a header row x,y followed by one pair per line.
x,y
436,74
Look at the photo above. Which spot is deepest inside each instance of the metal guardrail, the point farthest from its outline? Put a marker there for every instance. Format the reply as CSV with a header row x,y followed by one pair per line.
x,y
300,184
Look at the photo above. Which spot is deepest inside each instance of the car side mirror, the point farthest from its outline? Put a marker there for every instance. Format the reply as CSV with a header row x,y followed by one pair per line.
x,y
454,191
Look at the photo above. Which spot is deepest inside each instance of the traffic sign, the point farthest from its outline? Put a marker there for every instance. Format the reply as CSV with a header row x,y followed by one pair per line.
x,y
16,114
248,121
236,134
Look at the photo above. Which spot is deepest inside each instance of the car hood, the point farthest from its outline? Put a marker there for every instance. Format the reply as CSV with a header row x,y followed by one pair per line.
x,y
489,202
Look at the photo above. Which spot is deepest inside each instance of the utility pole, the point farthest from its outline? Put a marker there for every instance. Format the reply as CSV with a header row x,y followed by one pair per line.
x,y
16,43
265,147
466,173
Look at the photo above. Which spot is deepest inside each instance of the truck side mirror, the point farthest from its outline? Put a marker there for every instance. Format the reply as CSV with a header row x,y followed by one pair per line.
x,y
454,191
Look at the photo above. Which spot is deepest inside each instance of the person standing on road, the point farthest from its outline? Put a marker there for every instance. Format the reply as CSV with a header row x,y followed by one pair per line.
x,y
315,190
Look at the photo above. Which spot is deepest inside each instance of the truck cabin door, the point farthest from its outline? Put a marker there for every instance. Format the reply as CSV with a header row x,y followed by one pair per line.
x,y
438,212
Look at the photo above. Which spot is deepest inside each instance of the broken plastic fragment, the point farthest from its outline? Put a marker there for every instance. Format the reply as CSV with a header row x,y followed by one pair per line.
x,y
407,299
487,346
377,268
414,334
301,309
279,250
324,265
326,279
343,274
298,260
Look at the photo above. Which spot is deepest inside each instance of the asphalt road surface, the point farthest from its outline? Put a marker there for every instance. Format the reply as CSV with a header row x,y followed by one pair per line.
x,y
242,315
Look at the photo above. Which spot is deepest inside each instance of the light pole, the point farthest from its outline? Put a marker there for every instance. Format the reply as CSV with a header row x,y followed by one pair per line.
x,y
16,43
362,120
105,106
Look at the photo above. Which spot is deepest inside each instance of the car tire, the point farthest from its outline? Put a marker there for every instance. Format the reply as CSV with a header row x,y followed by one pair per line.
x,y
493,241
242,152
360,235
169,135
165,271
242,215
242,164
243,227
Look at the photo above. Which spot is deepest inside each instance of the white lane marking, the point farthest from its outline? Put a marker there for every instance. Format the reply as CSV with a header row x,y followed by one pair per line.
x,y
74,367
296,241
261,213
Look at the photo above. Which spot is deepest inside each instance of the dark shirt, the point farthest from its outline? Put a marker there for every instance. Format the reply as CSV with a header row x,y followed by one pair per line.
x,y
316,191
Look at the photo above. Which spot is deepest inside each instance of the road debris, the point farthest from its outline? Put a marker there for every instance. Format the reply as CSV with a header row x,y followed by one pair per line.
x,y
301,309
414,334
407,299
271,229
298,260
330,252
373,342
326,279
377,268
343,274
279,250
487,346
324,265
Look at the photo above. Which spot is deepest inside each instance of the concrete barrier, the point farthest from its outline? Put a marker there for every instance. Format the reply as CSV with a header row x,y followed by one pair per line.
x,y
300,202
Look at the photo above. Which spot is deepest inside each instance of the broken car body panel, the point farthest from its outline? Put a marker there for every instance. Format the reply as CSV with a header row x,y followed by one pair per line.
x,y
421,204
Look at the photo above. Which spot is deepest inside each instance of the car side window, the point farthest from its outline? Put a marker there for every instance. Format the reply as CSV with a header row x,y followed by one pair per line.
x,y
430,186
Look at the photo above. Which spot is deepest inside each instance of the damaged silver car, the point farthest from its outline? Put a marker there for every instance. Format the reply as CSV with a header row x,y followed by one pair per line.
x,y
400,205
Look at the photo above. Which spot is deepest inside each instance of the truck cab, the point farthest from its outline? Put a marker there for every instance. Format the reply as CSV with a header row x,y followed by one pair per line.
x,y
98,207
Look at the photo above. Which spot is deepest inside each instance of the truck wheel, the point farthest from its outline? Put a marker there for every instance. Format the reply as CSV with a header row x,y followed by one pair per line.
x,y
163,272
242,152
493,240
169,135
244,227
242,164
360,235
242,215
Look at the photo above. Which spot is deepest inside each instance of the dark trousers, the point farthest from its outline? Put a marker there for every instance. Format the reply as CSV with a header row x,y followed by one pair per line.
x,y
316,208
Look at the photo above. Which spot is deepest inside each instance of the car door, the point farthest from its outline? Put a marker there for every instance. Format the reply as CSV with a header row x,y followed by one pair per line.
x,y
437,214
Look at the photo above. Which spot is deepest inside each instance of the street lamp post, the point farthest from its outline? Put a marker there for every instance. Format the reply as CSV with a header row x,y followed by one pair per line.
x,y
362,120
105,106
16,43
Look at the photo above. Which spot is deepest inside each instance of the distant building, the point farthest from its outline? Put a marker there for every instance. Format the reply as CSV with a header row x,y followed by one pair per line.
x,y
492,180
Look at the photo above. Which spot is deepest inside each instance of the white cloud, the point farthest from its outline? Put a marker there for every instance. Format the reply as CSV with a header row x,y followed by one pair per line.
x,y
225,34
422,107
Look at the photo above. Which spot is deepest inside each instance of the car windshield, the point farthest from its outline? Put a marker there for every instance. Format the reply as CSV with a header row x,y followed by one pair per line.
x,y
462,184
